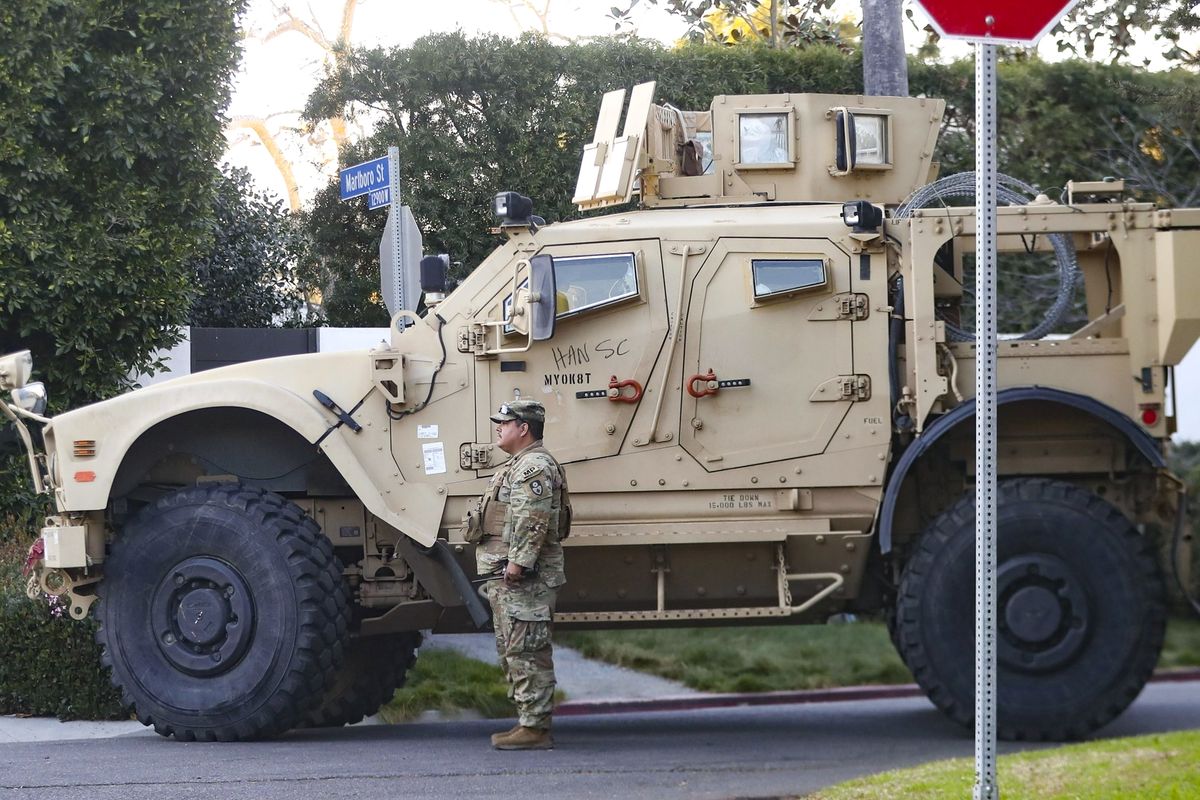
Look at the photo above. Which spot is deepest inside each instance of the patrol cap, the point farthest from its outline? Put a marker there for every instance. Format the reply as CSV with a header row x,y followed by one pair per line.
x,y
524,410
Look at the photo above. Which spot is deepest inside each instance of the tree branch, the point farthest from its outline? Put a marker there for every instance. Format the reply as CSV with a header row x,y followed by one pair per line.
x,y
259,126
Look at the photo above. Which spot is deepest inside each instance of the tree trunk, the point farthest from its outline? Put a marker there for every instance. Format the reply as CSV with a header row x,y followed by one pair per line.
x,y
885,71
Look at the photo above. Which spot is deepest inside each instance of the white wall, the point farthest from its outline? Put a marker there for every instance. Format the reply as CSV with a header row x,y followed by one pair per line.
x,y
329,340
1187,397
178,360
335,340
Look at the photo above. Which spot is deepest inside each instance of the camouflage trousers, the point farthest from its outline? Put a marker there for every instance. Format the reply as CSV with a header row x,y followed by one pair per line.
x,y
522,618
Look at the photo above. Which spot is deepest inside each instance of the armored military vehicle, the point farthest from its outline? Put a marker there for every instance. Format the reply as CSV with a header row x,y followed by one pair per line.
x,y
758,380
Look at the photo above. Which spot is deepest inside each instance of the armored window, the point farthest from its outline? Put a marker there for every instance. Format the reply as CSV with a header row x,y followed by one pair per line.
x,y
765,139
776,276
871,144
589,281
707,165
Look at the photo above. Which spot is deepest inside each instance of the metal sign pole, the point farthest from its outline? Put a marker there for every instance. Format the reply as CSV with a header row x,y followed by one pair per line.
x,y
397,229
985,422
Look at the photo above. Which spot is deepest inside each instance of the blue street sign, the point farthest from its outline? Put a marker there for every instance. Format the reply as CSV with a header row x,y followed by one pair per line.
x,y
364,178
378,198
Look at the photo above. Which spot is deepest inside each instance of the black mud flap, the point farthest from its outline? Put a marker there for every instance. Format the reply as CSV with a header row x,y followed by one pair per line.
x,y
439,569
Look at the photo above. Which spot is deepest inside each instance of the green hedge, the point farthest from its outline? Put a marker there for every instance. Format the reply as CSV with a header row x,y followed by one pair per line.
x,y
50,665
21,509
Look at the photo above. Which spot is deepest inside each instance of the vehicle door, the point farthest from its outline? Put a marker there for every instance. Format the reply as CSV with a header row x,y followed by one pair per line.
x,y
768,358
592,375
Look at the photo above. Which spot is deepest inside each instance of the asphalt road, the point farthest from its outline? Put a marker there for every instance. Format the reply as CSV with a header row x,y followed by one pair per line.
x,y
760,752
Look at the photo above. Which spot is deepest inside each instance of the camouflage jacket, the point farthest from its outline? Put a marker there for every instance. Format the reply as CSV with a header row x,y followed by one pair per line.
x,y
520,512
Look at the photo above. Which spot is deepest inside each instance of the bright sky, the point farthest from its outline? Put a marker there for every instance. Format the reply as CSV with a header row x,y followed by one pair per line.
x,y
278,73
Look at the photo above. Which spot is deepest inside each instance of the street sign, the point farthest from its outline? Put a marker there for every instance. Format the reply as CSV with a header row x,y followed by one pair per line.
x,y
399,261
996,21
378,198
364,178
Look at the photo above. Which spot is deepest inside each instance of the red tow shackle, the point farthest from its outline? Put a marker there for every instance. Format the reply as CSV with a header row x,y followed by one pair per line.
x,y
711,385
617,395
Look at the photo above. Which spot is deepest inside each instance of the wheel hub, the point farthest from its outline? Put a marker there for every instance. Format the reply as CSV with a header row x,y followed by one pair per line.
x,y
1043,617
203,616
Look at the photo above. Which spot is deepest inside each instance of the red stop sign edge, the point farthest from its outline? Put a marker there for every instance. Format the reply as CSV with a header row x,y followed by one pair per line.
x,y
962,19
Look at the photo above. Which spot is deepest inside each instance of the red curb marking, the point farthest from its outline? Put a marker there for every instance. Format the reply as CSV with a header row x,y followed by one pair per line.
x,y
694,703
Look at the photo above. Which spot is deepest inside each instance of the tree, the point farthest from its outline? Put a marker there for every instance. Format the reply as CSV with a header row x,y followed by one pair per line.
x,y
109,132
341,263
1154,140
272,128
1073,120
885,68
799,23
1092,26
771,22
1117,25
246,278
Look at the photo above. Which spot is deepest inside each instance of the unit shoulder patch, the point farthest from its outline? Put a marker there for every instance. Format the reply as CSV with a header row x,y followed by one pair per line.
x,y
531,468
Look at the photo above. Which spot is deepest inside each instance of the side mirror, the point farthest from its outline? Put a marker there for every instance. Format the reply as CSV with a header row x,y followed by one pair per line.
x,y
534,308
543,297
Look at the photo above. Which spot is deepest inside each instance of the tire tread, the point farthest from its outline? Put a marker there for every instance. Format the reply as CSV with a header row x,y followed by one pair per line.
x,y
323,616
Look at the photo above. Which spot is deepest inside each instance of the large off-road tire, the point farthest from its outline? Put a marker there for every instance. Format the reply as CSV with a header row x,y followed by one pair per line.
x,y
222,614
1080,611
375,668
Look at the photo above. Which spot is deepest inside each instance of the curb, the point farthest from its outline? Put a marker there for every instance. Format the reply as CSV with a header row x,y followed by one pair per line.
x,y
840,694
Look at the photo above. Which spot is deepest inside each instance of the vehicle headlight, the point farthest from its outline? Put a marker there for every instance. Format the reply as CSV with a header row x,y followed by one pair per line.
x,y
31,397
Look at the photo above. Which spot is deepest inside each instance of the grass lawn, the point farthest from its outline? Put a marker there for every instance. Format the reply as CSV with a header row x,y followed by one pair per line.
x,y
752,659
1182,648
1154,767
453,684
782,658
443,680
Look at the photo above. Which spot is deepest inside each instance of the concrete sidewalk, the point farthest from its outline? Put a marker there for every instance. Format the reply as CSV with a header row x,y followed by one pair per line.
x,y
49,729
579,678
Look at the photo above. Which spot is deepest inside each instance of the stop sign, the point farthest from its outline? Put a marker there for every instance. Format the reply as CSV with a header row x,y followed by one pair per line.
x,y
999,21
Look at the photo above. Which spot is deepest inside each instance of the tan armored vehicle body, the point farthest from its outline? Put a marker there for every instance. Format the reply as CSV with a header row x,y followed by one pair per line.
x,y
761,391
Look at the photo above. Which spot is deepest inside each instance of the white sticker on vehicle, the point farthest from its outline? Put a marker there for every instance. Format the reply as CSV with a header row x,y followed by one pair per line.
x,y
435,458
427,431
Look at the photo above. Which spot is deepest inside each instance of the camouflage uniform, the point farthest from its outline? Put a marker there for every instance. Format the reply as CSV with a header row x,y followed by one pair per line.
x,y
520,513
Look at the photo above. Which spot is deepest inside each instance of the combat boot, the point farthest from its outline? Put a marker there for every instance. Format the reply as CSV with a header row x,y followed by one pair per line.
x,y
498,736
524,739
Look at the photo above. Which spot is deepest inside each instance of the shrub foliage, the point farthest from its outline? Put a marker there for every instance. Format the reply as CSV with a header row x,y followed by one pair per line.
x,y
110,129
50,664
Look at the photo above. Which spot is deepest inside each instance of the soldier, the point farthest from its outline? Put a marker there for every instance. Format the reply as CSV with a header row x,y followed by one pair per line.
x,y
523,515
